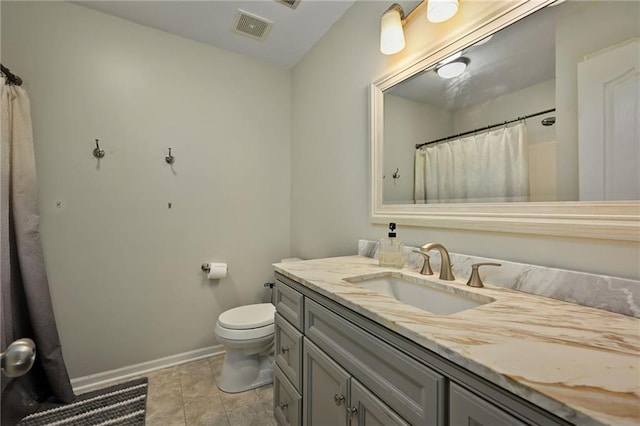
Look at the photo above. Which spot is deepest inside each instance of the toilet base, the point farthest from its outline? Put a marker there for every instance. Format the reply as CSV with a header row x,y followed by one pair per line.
x,y
242,372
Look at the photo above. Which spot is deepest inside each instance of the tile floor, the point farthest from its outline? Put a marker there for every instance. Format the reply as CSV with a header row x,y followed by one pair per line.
x,y
187,395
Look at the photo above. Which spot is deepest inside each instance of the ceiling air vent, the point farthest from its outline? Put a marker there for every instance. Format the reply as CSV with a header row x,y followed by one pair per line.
x,y
252,25
289,3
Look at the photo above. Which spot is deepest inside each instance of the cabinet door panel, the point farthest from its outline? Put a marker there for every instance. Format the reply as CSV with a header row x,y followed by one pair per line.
x,y
466,408
370,410
325,386
288,350
287,403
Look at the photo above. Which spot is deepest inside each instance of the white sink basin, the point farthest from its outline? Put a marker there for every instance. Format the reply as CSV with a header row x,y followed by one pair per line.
x,y
431,297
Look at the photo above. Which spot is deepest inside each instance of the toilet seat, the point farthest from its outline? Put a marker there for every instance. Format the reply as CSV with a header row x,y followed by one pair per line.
x,y
248,334
248,316
246,322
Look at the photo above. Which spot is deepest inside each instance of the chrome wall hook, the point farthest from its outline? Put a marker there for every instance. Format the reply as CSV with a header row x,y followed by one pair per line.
x,y
396,174
97,151
169,158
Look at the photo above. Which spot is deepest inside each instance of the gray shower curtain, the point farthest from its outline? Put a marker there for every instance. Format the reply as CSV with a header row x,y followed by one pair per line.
x,y
25,300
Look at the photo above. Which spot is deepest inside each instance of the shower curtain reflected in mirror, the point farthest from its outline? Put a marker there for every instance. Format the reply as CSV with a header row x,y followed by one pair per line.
x,y
26,303
487,167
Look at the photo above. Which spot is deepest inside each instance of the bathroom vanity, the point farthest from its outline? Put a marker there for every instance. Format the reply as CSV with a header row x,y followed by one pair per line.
x,y
346,353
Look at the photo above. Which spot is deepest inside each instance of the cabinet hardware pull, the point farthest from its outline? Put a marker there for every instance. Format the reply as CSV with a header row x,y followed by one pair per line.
x,y
353,411
284,406
284,350
338,399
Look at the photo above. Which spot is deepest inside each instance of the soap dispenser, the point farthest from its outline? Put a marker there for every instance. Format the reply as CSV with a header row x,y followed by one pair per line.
x,y
391,252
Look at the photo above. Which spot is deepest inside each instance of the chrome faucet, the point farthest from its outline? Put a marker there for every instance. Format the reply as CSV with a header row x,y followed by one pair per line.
x,y
445,262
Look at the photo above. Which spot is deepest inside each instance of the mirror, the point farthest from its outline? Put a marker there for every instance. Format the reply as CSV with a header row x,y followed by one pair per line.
x,y
577,155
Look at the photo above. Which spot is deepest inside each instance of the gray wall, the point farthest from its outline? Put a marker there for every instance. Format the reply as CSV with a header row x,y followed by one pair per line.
x,y
124,269
330,156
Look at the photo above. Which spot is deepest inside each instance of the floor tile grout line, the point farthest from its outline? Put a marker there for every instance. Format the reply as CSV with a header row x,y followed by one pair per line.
x,y
184,412
215,380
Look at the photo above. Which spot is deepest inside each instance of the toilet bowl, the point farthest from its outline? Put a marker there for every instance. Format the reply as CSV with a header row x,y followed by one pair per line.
x,y
247,333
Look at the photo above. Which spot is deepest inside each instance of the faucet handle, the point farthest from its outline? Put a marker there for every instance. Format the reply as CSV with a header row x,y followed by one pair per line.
x,y
474,279
426,266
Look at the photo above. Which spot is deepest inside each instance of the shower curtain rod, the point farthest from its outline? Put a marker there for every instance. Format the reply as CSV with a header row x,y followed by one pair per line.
x,y
10,77
418,145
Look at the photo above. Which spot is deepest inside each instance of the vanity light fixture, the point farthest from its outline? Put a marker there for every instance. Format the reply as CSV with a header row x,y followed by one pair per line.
x,y
453,69
393,19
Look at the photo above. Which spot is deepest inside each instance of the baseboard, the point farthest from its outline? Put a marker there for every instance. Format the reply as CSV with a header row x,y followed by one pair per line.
x,y
106,378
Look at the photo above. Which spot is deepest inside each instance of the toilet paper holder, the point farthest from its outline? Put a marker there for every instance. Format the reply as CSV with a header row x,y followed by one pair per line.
x,y
214,270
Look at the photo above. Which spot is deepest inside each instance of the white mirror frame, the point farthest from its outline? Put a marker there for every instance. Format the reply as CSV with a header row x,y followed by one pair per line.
x,y
613,220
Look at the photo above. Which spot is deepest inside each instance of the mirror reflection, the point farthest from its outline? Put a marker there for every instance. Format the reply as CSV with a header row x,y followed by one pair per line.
x,y
544,110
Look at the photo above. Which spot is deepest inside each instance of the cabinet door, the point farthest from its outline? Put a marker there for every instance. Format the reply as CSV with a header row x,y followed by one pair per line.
x,y
466,408
288,350
369,410
287,402
325,386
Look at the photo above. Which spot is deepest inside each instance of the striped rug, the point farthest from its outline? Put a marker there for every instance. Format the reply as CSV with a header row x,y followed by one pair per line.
x,y
122,405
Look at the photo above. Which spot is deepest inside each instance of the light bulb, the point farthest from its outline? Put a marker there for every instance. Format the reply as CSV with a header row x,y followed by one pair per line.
x,y
391,33
452,69
441,10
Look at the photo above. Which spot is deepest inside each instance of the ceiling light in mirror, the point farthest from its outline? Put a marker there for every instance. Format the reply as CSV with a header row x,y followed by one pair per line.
x,y
441,10
452,69
391,34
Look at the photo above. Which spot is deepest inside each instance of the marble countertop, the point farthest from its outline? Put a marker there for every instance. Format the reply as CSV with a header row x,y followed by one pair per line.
x,y
580,363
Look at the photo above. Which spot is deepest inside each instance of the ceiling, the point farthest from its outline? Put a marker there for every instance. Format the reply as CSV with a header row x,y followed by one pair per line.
x,y
293,33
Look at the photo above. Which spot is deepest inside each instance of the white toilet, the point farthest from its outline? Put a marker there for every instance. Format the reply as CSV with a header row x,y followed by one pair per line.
x,y
246,332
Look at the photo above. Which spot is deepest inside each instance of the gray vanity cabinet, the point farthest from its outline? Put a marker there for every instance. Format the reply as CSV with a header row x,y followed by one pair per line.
x,y
312,389
336,368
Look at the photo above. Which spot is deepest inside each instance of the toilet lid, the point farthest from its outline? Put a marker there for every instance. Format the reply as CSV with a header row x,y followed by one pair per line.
x,y
248,316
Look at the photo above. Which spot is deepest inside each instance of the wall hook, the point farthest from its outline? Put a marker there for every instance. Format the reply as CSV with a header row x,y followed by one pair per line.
x,y
97,151
169,158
